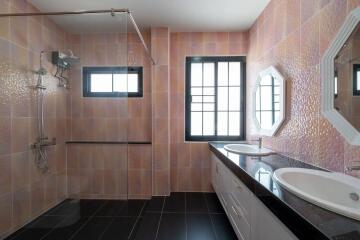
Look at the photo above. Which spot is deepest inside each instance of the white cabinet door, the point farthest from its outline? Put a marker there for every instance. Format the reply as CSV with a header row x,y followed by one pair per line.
x,y
265,225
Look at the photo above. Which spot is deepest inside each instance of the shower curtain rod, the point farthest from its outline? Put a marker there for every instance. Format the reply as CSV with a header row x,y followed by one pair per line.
x,y
111,11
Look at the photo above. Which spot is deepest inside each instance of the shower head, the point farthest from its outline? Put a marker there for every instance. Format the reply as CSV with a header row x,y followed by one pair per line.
x,y
64,60
71,58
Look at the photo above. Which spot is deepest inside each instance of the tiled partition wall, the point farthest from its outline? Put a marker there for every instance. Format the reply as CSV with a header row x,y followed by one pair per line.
x,y
293,35
190,161
25,192
160,50
100,170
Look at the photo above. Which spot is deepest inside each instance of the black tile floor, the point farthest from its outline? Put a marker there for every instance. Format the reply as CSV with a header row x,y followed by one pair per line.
x,y
183,216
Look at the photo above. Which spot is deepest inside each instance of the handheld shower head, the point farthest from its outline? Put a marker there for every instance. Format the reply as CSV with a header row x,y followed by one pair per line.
x,y
71,58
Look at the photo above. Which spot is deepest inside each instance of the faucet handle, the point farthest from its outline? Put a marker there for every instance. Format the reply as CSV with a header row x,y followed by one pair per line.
x,y
352,167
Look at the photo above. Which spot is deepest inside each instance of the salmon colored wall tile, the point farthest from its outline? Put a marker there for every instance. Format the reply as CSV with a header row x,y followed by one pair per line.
x,y
21,40
310,26
190,162
5,174
5,214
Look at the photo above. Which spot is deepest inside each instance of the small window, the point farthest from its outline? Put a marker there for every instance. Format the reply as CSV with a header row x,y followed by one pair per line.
x,y
215,98
112,82
356,80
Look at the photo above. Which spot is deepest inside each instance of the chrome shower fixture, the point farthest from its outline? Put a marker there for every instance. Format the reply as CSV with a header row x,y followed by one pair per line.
x,y
41,141
63,62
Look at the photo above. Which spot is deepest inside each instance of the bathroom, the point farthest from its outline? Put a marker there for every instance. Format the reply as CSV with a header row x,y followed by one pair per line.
x,y
179,119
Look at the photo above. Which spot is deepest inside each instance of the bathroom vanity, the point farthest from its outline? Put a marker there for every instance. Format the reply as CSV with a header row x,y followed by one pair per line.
x,y
258,208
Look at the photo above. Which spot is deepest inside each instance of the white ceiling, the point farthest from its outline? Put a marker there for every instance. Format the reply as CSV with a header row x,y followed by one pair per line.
x,y
179,15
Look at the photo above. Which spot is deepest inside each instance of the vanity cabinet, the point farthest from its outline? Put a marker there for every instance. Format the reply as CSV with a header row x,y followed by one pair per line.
x,y
250,218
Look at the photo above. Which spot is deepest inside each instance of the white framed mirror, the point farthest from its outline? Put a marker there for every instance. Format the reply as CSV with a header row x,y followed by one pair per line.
x,y
340,73
269,101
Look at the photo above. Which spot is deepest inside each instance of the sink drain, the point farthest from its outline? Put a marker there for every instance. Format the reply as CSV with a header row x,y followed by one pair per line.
x,y
354,196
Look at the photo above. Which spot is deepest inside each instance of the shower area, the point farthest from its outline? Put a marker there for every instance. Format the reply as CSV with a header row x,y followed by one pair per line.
x,y
75,109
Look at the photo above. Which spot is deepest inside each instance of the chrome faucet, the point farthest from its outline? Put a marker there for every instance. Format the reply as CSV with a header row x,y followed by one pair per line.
x,y
353,167
259,140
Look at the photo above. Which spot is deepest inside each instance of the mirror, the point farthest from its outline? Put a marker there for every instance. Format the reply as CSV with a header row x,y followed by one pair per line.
x,y
347,79
269,101
340,72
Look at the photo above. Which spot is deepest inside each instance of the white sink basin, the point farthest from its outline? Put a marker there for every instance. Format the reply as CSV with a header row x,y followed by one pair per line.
x,y
336,192
248,149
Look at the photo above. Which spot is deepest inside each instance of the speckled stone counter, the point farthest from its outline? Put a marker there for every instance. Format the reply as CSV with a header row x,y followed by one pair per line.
x,y
304,219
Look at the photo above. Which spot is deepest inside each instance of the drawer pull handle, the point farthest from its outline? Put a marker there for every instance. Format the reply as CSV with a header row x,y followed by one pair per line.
x,y
239,211
237,185
236,213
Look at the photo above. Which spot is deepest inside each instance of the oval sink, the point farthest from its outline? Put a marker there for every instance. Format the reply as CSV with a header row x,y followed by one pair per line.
x,y
248,149
336,192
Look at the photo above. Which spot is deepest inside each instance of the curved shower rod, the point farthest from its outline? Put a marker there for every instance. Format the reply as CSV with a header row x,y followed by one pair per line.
x,y
111,11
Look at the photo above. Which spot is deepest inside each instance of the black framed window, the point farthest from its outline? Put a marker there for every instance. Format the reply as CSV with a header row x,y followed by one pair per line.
x,y
112,81
215,98
356,80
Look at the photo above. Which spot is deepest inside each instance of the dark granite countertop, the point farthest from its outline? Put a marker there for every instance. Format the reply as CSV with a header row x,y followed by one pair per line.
x,y
307,221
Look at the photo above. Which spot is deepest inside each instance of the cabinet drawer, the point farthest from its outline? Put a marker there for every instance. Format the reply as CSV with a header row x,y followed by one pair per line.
x,y
240,195
242,223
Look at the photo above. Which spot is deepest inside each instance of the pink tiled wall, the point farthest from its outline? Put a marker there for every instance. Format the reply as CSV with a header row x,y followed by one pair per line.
x,y
160,50
190,161
293,35
109,119
26,192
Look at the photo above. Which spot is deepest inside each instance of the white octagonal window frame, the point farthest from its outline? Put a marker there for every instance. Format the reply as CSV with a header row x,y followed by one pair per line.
x,y
273,72
345,128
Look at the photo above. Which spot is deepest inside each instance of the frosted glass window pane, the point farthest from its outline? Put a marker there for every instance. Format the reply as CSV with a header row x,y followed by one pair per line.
x,y
101,83
234,98
196,91
223,74
234,73
209,106
197,99
196,123
209,99
234,123
209,123
266,98
222,124
209,77
120,83
132,83
196,107
358,80
266,120
196,74
266,80
209,91
222,98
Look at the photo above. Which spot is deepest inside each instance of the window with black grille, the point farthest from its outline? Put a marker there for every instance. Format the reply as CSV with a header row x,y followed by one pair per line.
x,y
215,98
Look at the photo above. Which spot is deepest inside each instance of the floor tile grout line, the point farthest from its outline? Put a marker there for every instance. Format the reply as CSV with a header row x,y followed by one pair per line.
x,y
53,228
136,221
106,228
86,222
161,213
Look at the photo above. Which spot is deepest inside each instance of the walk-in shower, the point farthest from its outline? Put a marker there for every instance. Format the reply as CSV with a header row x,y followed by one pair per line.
x,y
67,140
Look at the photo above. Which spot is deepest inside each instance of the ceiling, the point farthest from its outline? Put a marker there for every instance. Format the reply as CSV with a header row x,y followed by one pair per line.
x,y
178,15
